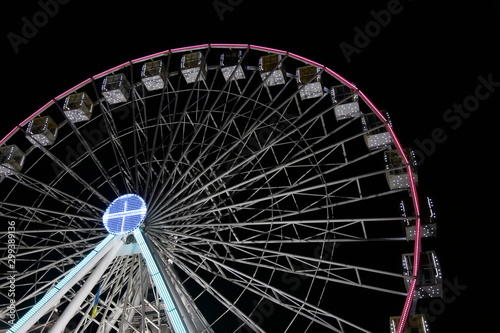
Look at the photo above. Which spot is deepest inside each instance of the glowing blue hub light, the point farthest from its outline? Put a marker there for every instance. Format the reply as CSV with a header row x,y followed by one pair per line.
x,y
124,214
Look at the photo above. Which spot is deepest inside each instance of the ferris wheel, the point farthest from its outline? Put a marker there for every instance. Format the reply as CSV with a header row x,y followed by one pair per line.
x,y
211,188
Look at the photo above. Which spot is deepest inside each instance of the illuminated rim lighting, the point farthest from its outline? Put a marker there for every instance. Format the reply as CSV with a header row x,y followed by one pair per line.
x,y
413,188
124,214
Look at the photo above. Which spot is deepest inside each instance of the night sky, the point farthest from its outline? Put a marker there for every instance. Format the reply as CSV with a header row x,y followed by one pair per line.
x,y
433,67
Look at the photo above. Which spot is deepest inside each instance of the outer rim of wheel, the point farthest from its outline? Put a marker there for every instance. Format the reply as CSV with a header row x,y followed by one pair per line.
x,y
413,188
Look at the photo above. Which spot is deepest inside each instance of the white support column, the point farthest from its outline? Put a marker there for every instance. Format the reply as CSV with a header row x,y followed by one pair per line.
x,y
187,310
53,296
180,322
84,291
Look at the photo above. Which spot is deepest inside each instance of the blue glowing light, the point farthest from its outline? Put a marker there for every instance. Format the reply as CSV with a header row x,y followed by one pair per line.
x,y
124,214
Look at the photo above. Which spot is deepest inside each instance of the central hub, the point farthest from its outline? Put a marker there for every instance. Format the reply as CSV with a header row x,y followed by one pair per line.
x,y
124,214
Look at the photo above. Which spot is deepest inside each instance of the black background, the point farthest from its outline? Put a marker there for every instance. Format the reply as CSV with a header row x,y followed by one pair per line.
x,y
417,63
